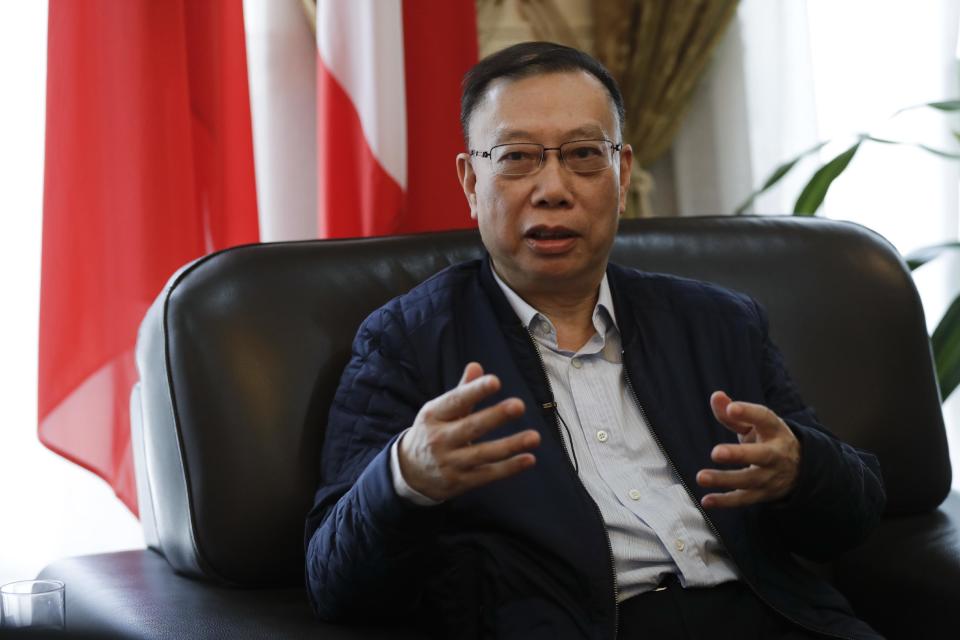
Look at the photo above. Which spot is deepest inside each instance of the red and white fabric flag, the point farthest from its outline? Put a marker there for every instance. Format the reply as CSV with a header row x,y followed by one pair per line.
x,y
149,164
388,87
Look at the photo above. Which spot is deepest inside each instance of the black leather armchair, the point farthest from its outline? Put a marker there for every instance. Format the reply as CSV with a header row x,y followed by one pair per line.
x,y
240,355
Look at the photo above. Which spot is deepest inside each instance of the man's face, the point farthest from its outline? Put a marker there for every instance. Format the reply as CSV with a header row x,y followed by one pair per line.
x,y
551,230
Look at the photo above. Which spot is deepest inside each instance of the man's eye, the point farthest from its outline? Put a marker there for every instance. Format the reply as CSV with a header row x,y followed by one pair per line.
x,y
516,156
585,151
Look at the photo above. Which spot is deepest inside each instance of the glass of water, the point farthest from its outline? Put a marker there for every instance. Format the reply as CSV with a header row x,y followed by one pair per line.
x,y
34,604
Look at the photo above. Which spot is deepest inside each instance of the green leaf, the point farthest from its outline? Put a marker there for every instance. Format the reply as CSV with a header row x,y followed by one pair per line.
x,y
945,105
813,194
940,152
941,105
946,349
956,134
776,176
924,255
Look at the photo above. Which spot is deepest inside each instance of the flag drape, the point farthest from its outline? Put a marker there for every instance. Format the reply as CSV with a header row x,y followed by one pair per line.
x,y
149,164
388,86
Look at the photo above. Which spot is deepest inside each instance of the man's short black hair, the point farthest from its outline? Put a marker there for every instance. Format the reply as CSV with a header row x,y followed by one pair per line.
x,y
530,59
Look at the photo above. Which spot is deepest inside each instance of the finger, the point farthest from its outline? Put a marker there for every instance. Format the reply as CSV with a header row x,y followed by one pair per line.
x,y
737,498
460,400
468,458
759,453
720,404
485,474
471,372
766,422
476,425
749,478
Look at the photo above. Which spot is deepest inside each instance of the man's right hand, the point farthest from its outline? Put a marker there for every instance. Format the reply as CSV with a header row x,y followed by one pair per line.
x,y
438,456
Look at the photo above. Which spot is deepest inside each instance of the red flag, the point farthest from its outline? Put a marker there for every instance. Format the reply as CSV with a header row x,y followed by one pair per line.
x,y
388,88
149,164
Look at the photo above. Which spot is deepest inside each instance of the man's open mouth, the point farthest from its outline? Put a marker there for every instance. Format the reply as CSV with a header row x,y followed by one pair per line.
x,y
550,233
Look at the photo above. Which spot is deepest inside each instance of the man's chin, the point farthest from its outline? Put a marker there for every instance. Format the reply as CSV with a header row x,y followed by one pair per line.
x,y
558,273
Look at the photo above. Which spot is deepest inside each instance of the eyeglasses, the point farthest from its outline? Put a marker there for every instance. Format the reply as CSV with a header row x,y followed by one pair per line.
x,y
522,158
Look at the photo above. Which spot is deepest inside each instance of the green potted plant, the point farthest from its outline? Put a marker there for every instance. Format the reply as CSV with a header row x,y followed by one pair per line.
x,y
945,340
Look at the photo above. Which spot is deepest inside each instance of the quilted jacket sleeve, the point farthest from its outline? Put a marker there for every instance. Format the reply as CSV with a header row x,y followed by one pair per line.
x,y
839,496
361,537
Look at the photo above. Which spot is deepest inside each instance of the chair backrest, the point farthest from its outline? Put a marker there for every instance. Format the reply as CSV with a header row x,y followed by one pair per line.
x,y
241,353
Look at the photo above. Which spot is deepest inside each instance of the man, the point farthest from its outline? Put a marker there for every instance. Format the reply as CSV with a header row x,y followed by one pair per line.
x,y
542,444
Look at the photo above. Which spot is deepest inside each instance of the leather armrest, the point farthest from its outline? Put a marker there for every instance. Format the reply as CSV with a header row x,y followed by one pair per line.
x,y
135,594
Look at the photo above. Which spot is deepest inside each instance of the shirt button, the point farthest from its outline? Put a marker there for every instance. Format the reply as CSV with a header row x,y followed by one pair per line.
x,y
679,544
602,435
576,363
634,494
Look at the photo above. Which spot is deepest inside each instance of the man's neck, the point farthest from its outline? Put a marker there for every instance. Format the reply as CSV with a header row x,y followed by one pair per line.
x,y
572,318
569,309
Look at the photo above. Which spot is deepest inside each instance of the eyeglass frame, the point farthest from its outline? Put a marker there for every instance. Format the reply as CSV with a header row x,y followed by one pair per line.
x,y
615,147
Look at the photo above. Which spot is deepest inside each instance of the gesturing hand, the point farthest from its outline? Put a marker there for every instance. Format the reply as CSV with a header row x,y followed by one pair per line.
x,y
768,449
438,456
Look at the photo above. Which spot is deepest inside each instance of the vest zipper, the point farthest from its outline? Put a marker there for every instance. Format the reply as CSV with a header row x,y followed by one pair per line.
x,y
696,503
552,405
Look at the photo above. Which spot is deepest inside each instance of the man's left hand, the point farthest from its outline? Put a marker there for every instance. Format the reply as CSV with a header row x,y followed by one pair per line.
x,y
768,451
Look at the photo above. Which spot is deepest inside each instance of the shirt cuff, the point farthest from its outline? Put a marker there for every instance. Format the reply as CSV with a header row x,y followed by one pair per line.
x,y
400,485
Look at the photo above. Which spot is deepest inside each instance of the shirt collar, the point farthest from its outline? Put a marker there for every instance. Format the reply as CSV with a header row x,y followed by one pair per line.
x,y
528,314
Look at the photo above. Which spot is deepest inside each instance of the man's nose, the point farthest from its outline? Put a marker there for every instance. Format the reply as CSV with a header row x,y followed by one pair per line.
x,y
552,182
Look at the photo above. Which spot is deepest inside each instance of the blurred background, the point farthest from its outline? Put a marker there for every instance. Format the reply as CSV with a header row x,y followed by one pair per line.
x,y
716,105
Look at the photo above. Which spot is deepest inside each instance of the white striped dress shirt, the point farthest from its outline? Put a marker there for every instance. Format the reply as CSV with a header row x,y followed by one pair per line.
x,y
654,526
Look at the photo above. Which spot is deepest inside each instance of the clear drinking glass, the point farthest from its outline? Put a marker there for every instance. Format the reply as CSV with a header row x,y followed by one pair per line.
x,y
37,604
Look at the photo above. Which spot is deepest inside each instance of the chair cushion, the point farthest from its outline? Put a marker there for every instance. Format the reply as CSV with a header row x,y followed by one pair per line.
x,y
904,578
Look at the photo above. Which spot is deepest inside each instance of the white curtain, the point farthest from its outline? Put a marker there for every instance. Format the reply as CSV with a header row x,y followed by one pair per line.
x,y
49,508
754,108
871,59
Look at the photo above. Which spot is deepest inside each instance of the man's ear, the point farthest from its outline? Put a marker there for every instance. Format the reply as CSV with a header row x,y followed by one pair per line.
x,y
626,165
468,180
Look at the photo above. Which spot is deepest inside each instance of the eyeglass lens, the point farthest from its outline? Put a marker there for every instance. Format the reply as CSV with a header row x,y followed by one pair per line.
x,y
581,156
